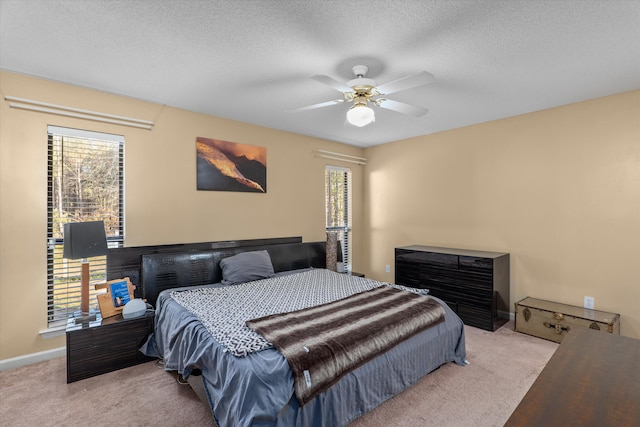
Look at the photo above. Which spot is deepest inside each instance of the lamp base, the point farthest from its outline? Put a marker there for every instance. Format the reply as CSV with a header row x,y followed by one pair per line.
x,y
83,318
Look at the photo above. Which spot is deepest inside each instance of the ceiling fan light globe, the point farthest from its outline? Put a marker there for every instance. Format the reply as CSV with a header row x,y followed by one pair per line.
x,y
360,115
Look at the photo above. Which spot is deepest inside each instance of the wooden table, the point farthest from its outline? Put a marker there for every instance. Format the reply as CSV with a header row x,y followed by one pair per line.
x,y
593,379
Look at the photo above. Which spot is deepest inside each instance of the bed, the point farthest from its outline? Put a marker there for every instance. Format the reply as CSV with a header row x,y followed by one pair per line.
x,y
246,380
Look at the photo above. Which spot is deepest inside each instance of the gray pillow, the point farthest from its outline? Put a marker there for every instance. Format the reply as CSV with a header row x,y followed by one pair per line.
x,y
245,267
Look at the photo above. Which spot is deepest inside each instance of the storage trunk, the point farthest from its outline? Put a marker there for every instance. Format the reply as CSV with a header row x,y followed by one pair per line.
x,y
552,320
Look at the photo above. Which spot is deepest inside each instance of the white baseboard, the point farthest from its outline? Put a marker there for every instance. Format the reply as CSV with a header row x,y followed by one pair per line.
x,y
29,359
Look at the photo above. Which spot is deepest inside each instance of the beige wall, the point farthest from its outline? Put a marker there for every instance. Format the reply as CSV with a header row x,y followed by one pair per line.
x,y
162,204
558,189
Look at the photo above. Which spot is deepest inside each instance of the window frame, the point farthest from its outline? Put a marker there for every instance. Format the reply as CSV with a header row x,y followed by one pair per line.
x,y
58,267
345,229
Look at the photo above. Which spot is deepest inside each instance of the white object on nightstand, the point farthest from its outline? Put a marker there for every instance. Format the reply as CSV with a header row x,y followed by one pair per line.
x,y
134,308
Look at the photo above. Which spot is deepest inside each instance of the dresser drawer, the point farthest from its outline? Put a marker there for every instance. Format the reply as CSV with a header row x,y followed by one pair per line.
x,y
475,316
445,260
457,279
484,265
477,298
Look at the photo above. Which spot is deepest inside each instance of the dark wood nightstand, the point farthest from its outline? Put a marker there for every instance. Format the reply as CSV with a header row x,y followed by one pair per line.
x,y
107,345
355,273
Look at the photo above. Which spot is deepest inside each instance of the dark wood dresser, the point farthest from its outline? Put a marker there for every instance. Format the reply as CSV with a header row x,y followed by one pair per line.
x,y
475,284
592,380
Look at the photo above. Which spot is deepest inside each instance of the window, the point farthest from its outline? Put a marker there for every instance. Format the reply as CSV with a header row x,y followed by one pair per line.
x,y
85,183
338,208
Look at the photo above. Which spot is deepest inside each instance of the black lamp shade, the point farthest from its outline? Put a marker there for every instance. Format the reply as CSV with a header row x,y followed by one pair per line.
x,y
84,240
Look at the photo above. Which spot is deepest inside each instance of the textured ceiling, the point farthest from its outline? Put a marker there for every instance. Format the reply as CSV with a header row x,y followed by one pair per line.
x,y
250,60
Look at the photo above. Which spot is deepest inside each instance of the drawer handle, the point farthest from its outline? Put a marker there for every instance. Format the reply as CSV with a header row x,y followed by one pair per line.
x,y
595,326
558,327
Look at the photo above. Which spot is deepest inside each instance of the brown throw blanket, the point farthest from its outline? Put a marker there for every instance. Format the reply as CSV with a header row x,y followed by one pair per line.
x,y
325,342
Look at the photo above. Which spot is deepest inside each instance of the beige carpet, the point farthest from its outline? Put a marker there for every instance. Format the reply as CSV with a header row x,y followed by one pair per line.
x,y
503,366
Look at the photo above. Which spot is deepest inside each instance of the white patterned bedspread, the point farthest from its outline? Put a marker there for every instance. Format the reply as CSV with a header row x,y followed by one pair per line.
x,y
225,310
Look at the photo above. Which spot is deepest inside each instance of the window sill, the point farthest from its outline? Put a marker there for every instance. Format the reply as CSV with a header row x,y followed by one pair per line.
x,y
54,331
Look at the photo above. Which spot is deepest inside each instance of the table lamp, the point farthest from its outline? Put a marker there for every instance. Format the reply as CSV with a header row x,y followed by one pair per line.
x,y
83,240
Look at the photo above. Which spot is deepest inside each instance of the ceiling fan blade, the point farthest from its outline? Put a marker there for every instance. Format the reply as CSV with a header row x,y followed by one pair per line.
x,y
331,82
401,107
320,105
408,82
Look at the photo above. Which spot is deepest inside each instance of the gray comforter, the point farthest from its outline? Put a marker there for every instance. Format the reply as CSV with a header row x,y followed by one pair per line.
x,y
258,389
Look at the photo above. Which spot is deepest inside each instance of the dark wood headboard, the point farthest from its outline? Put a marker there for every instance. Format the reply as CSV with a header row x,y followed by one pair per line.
x,y
193,264
127,262
181,269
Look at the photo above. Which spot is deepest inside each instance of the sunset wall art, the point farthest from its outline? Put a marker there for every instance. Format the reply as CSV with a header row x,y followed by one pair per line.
x,y
229,166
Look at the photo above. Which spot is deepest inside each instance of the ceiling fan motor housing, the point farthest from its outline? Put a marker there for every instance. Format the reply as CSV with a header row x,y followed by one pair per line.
x,y
360,84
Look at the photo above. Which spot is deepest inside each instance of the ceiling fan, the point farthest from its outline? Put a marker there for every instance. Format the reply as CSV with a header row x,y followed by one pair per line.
x,y
364,93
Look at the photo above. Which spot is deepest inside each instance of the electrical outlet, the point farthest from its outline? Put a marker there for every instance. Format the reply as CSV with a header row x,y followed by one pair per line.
x,y
387,268
589,302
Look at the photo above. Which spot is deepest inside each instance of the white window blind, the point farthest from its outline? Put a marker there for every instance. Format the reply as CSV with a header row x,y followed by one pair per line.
x,y
85,183
338,208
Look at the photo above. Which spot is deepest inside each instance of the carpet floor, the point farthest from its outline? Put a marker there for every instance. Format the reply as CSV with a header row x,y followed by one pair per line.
x,y
503,365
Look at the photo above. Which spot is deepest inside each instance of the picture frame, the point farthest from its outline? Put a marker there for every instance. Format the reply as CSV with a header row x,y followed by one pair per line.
x,y
230,166
118,293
